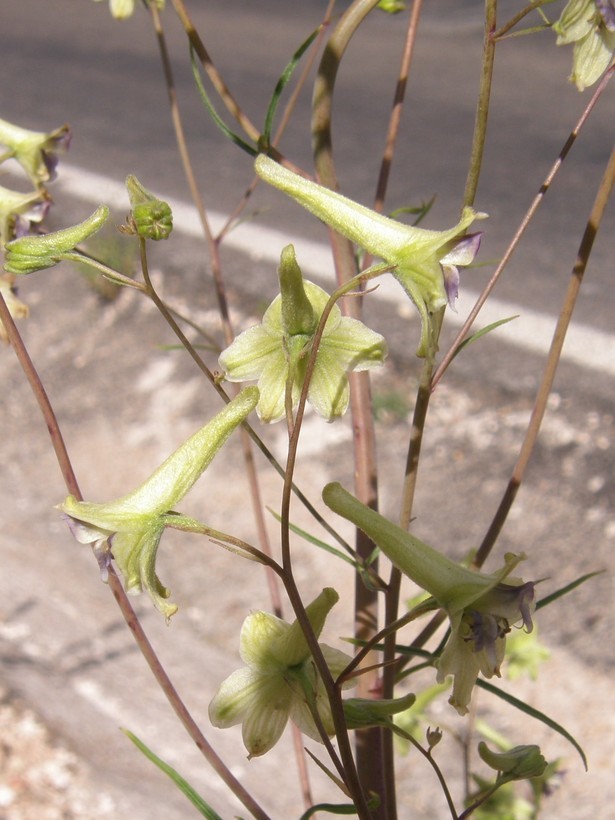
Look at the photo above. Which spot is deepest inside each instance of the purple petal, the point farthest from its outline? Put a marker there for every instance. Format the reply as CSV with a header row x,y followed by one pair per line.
x,y
451,284
607,10
464,250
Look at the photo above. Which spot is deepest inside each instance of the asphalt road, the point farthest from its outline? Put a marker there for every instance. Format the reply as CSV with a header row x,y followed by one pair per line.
x,y
124,405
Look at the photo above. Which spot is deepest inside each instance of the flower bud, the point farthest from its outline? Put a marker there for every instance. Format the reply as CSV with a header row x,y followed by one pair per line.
x,y
152,218
361,713
31,253
519,763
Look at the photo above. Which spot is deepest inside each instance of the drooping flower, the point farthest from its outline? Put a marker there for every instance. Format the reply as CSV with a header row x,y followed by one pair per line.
x,y
18,211
590,26
28,254
424,261
481,607
279,679
36,152
278,349
133,524
17,308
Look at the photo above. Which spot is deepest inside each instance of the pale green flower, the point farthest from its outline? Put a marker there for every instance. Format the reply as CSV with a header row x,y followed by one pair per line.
x,y
18,211
134,524
424,262
35,151
28,254
278,680
121,9
481,608
590,26
278,349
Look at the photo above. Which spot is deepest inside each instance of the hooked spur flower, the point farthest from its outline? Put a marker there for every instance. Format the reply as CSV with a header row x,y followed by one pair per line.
x,y
279,679
134,524
424,262
590,26
481,607
278,349
36,152
18,211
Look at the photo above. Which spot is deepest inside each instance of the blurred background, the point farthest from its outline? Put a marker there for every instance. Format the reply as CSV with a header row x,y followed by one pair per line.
x,y
69,671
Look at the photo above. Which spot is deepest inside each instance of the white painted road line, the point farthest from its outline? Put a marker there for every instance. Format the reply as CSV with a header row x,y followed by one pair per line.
x,y
532,331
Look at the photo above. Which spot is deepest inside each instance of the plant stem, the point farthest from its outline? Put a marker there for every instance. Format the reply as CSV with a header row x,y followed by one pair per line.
x,y
536,202
176,702
540,404
116,587
370,758
212,72
482,107
398,104
42,398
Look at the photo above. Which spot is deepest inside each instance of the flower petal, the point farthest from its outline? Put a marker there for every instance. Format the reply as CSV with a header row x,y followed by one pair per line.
x,y
235,697
260,702
272,386
247,356
329,392
258,632
356,346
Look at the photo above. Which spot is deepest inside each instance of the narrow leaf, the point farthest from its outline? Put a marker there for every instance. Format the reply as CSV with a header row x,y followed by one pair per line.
x,y
548,599
316,541
281,84
482,332
212,111
197,801
535,713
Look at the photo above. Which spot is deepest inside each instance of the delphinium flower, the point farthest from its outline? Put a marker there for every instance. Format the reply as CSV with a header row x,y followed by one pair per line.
x,y
279,680
36,152
424,262
133,525
481,607
19,211
121,9
277,350
590,26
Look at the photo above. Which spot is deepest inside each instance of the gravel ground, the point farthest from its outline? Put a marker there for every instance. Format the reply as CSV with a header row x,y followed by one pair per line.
x,y
40,779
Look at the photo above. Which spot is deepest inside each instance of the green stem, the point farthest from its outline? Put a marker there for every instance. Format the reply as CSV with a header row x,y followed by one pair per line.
x,y
482,108
503,30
